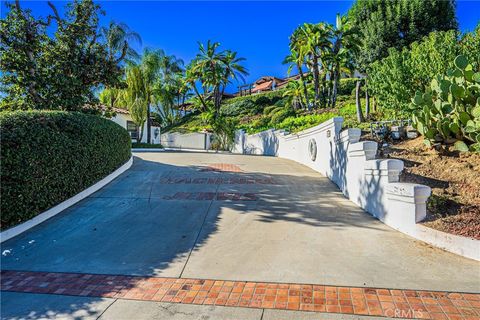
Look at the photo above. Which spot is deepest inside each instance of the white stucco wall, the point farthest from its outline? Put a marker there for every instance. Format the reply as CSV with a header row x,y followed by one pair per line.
x,y
196,140
371,183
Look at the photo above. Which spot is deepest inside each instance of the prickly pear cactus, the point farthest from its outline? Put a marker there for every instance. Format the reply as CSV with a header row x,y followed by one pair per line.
x,y
448,112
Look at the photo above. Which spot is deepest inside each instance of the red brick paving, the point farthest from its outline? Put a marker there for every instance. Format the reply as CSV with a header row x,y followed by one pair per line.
x,y
222,167
220,196
217,180
306,297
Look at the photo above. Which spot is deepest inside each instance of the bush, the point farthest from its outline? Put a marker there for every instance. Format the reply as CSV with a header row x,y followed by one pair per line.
x,y
449,111
347,86
279,114
299,123
49,156
395,79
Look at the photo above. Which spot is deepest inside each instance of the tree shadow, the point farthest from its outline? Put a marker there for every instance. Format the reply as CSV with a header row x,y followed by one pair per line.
x,y
132,227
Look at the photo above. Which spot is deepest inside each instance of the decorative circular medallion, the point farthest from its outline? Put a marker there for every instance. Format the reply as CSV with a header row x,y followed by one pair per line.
x,y
312,149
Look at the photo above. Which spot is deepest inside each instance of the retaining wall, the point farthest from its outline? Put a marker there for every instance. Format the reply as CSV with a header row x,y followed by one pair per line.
x,y
371,183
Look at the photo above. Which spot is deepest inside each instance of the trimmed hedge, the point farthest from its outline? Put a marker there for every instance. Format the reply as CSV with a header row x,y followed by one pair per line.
x,y
49,156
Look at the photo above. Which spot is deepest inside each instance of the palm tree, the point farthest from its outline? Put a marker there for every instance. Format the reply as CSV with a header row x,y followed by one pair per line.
x,y
118,38
313,41
213,70
294,59
232,70
346,44
294,94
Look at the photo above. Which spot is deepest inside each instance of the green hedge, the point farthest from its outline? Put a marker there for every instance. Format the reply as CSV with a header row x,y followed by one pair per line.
x,y
49,156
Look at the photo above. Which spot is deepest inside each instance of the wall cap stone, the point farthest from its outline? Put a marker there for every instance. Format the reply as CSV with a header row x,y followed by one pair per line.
x,y
333,123
351,135
366,149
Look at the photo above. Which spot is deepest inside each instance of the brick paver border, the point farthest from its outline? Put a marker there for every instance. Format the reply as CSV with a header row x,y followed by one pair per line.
x,y
222,167
305,297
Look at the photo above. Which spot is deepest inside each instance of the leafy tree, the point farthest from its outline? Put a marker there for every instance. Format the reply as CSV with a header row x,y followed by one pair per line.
x,y
312,42
54,72
136,96
397,23
169,88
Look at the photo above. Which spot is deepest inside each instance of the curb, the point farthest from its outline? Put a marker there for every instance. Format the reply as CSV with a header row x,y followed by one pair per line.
x,y
460,245
178,150
148,150
15,231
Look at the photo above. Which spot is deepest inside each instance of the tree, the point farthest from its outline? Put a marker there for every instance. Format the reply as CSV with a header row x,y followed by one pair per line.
x,y
345,46
135,96
213,70
294,93
150,65
311,42
118,37
394,79
294,59
62,71
397,23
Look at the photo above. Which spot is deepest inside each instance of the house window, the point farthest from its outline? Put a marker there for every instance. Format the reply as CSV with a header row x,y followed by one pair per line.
x,y
132,129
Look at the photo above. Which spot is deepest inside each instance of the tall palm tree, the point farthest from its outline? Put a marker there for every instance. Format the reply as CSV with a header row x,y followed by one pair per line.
x,y
346,44
294,59
151,64
118,37
213,70
313,41
232,70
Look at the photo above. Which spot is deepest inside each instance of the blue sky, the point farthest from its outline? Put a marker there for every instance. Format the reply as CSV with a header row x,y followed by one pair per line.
x,y
259,31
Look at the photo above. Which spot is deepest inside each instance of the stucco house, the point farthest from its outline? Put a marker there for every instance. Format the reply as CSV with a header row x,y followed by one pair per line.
x,y
123,118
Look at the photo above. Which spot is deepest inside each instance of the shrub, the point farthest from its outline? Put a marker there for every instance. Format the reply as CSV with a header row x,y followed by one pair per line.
x,y
278,114
223,132
49,156
347,86
449,110
299,123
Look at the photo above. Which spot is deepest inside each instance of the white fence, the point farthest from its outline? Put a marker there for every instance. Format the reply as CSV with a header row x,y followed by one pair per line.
x,y
371,183
197,140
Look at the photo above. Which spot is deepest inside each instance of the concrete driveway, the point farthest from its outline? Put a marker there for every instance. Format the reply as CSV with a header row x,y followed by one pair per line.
x,y
230,217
